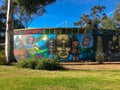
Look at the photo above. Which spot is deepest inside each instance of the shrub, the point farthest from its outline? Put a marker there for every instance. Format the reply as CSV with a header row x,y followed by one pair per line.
x,y
32,63
43,64
2,58
49,64
2,48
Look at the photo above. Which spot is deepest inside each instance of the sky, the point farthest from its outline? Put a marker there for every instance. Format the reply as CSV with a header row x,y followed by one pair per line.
x,y
63,13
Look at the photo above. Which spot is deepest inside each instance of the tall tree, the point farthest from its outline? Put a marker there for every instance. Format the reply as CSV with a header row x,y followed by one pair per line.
x,y
27,10
117,16
95,14
9,33
30,7
92,20
107,22
3,12
84,22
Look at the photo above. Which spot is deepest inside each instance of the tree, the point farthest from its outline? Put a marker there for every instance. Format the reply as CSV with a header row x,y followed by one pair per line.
x,y
107,22
2,27
116,16
23,8
95,11
9,33
17,25
30,7
27,12
84,21
3,12
92,20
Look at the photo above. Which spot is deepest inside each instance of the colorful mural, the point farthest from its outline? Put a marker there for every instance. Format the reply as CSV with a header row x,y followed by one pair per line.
x,y
67,44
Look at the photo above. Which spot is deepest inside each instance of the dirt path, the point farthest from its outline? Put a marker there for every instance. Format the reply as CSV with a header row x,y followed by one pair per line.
x,y
92,66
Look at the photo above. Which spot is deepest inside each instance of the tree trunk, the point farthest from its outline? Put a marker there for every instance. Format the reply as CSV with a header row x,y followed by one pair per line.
x,y
9,41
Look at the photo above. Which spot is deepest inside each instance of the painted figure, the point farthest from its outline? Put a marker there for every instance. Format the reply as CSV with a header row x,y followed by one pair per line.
x,y
75,48
31,40
52,47
99,51
17,42
63,46
86,41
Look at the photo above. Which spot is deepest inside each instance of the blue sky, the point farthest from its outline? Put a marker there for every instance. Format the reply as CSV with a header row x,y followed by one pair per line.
x,y
64,12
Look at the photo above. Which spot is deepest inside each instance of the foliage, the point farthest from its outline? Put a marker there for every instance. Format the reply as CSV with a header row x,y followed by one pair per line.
x,y
97,9
43,64
2,26
27,63
107,22
2,56
27,12
24,13
3,11
92,20
117,12
95,20
17,23
49,64
117,16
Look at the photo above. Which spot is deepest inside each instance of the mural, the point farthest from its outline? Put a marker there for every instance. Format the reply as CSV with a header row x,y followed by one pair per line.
x,y
67,45
63,46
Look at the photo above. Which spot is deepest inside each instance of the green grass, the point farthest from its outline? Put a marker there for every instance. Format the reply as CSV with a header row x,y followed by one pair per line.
x,y
13,78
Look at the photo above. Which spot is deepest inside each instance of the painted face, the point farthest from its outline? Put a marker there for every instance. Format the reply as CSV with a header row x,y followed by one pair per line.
x,y
75,43
31,39
86,41
52,46
63,46
17,41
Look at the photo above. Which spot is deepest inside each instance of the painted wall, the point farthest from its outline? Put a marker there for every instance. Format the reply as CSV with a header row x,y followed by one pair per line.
x,y
66,44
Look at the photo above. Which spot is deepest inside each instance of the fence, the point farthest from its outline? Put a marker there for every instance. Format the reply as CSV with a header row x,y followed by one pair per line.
x,y
67,44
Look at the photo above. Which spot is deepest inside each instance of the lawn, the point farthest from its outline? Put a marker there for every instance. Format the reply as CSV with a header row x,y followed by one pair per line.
x,y
13,78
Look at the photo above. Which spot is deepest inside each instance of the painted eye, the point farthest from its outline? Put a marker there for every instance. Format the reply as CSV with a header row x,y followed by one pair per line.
x,y
67,44
59,44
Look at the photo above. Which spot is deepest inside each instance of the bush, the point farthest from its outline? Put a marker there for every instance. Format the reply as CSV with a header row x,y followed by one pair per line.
x,y
2,57
49,64
2,48
43,64
27,63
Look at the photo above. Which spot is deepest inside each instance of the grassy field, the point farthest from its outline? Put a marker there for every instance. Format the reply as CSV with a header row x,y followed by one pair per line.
x,y
13,78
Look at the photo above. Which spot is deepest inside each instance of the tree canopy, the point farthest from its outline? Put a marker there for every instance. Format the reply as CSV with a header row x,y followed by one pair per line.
x,y
24,12
117,16
27,10
98,19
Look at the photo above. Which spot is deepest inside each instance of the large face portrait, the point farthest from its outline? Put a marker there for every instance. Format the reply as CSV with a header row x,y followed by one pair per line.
x,y
63,46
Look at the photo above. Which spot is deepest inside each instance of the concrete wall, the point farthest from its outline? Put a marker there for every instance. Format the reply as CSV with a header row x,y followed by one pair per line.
x,y
67,44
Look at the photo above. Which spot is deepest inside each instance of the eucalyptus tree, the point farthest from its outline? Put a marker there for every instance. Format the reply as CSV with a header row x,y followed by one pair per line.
x,y
9,33
107,22
31,8
92,20
84,22
3,12
95,14
117,16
